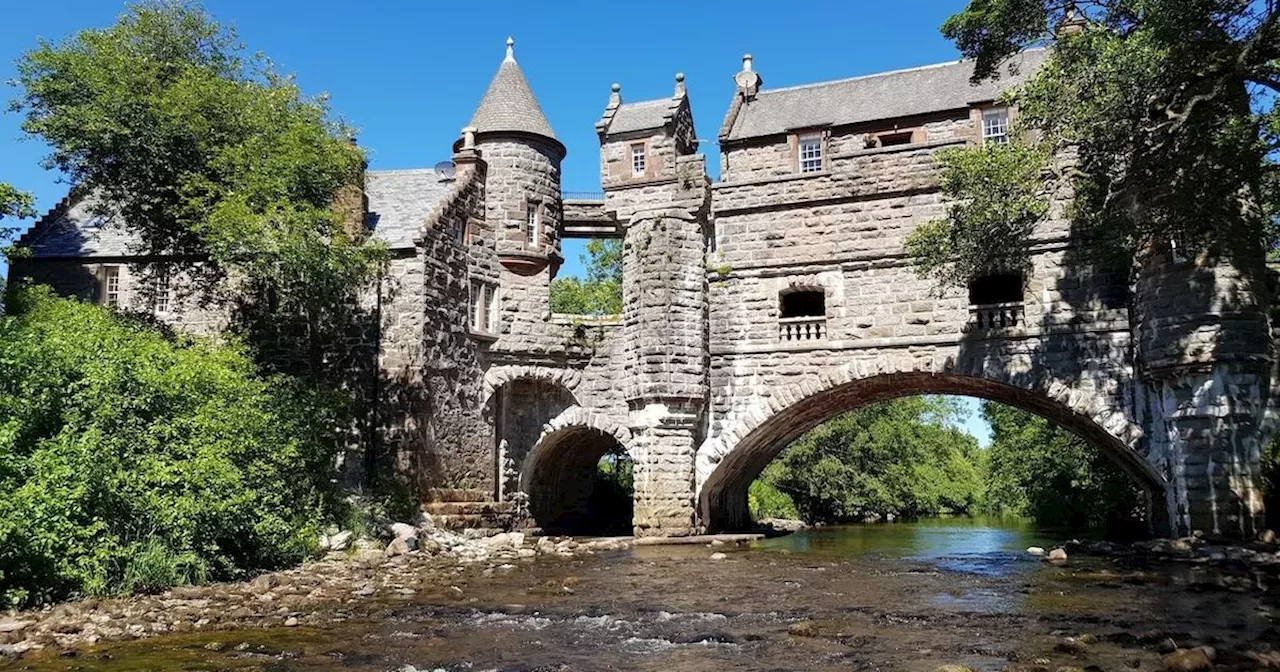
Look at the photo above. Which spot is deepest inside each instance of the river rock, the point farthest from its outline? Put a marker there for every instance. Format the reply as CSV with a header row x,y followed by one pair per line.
x,y
1267,536
337,541
952,667
1189,660
13,625
291,622
505,540
803,629
1057,555
718,556
400,546
1036,551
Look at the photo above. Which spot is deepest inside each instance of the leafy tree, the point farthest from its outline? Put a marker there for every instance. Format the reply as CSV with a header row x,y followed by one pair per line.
x,y
210,155
1040,470
14,203
601,292
132,461
903,457
1165,111
765,500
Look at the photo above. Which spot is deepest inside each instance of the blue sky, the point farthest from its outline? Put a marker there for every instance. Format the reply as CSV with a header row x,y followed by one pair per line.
x,y
409,74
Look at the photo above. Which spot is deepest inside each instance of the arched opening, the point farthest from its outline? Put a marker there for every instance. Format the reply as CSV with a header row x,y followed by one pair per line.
x,y
578,481
723,495
521,408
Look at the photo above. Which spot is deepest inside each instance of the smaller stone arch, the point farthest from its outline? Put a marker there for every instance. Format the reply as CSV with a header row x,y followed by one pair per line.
x,y
559,475
498,376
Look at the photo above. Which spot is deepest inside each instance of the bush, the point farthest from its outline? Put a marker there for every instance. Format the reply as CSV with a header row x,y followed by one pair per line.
x,y
765,500
131,460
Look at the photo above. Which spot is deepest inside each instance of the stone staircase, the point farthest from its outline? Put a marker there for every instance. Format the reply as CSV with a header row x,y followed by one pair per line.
x,y
461,509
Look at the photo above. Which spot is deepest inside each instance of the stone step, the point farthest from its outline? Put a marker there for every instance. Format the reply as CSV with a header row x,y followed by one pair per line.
x,y
494,522
457,495
467,508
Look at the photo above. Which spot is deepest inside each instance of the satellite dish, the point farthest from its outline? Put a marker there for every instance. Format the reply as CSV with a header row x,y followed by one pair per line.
x,y
445,170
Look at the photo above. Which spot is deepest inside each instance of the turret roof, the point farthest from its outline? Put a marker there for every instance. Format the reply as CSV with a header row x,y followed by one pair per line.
x,y
508,105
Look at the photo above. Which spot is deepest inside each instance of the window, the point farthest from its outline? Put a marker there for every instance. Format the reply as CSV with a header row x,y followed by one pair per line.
x,y
163,292
111,286
802,314
996,288
637,159
484,308
995,125
459,231
810,153
533,224
894,139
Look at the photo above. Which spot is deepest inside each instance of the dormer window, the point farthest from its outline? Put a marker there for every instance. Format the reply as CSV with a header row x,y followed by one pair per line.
x,y
637,159
802,314
809,148
995,125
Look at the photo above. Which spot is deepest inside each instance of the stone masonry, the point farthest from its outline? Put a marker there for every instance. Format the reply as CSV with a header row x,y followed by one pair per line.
x,y
755,308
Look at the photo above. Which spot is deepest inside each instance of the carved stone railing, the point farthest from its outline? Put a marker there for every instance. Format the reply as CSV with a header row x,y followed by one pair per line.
x,y
996,316
809,328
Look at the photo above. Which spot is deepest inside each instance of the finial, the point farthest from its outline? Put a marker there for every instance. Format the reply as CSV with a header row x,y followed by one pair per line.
x,y
616,88
679,76
469,137
746,62
511,51
680,90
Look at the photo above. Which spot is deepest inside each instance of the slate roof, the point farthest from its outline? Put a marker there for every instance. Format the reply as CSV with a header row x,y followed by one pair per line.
x,y
642,116
399,202
509,105
888,95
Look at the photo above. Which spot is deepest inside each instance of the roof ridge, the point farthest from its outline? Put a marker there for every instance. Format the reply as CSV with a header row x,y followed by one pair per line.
x,y
654,101
886,73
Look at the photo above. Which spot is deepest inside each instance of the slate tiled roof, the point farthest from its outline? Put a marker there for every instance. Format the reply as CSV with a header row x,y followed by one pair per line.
x,y
508,105
399,202
642,116
888,95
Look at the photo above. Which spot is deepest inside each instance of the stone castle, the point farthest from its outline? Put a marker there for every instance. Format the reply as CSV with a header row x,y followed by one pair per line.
x,y
755,307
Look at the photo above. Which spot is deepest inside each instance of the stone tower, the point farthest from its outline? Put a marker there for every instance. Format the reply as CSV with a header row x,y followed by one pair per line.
x,y
522,198
656,184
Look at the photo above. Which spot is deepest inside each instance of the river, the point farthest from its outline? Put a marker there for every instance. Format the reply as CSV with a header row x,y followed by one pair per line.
x,y
906,596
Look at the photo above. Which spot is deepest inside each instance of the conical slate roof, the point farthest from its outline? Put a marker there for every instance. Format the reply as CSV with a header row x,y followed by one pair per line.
x,y
509,105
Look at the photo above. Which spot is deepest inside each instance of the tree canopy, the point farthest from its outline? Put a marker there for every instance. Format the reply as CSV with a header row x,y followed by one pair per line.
x,y
1161,115
211,157
600,293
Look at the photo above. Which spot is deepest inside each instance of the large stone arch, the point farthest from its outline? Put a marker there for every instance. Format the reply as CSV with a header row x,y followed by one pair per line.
x,y
748,440
558,475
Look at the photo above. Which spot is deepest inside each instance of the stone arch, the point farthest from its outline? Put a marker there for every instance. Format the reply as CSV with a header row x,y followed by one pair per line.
x,y
750,439
498,376
559,475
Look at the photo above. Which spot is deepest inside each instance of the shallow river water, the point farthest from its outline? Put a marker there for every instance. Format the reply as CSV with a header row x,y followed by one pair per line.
x,y
884,597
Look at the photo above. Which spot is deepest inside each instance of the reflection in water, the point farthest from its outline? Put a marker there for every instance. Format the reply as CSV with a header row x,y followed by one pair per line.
x,y
910,596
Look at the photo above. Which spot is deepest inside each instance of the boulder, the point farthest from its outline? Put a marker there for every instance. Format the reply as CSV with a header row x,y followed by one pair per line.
x,y
338,541
1267,536
505,540
1036,551
13,625
403,530
1189,660
718,556
1057,555
401,546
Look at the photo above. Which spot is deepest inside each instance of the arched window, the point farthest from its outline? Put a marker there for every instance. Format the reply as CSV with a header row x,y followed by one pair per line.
x,y
802,314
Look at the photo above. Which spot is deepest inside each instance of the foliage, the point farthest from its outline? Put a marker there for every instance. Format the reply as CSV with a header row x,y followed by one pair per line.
x,y
903,457
995,199
208,155
601,292
765,500
132,461
14,203
1040,470
1168,108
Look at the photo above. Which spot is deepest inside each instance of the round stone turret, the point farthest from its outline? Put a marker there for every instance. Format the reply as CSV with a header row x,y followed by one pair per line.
x,y
523,157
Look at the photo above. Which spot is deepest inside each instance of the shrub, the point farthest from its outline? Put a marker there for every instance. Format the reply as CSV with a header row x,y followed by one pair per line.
x,y
132,460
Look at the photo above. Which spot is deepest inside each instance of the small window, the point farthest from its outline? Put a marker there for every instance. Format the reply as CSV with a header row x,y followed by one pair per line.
x,y
533,224
163,292
111,286
995,125
637,159
895,139
996,288
459,231
803,303
484,307
810,153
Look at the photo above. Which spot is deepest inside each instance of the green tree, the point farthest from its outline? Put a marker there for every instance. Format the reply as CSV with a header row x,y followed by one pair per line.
x,y
132,461
601,292
1040,470
1162,111
208,154
904,457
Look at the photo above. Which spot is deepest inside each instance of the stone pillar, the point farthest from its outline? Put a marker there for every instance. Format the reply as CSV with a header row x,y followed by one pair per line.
x,y
664,303
1204,351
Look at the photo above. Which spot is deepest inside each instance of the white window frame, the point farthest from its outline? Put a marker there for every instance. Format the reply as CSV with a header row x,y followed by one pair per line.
x,y
483,308
639,159
111,290
809,153
995,125
533,223
491,301
163,292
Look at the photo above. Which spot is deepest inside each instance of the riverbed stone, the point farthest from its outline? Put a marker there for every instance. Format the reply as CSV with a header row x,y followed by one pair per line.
x,y
1189,660
1057,555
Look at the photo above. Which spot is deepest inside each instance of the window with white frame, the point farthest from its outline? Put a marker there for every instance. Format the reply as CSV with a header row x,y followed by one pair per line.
x,y
637,159
484,307
163,292
111,286
810,153
995,125
533,223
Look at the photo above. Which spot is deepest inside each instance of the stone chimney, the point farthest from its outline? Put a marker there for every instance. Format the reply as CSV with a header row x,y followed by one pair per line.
x,y
1073,22
748,80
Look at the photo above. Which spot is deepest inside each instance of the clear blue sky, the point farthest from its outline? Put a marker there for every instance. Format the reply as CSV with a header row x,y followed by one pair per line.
x,y
408,74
